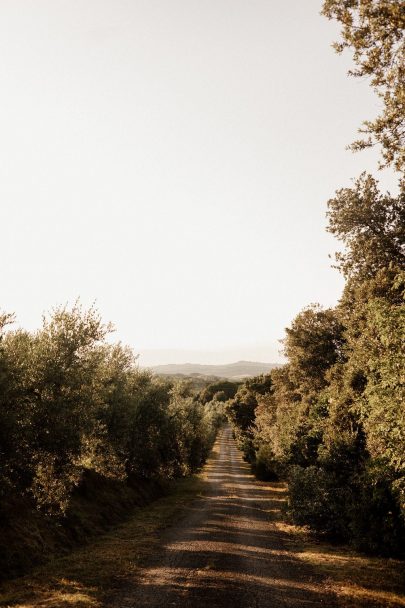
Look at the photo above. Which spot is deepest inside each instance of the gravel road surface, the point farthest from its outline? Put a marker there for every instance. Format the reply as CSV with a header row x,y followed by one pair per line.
x,y
229,548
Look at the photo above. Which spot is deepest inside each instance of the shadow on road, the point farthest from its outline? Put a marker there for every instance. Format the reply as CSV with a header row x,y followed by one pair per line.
x,y
230,548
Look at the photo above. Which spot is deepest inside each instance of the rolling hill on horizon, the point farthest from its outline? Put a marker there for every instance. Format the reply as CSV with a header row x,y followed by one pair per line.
x,y
239,369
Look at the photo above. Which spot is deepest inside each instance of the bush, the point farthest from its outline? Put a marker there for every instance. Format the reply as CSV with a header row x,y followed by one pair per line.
x,y
265,465
72,403
316,500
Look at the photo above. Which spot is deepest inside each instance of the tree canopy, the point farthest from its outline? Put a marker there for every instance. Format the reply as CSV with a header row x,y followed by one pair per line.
x,y
374,31
371,226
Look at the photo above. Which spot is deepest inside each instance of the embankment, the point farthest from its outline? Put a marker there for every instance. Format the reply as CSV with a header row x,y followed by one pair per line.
x,y
29,537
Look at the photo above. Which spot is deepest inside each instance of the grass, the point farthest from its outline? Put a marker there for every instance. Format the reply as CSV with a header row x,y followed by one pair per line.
x,y
83,578
357,580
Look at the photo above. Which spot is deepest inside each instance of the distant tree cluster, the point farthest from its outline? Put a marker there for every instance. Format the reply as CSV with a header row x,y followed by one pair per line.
x,y
70,402
332,420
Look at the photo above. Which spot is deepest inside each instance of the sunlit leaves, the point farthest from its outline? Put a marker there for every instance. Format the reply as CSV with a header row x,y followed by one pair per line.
x,y
374,31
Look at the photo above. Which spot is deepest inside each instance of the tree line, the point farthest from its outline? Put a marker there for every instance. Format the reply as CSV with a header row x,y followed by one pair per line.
x,y
70,402
332,419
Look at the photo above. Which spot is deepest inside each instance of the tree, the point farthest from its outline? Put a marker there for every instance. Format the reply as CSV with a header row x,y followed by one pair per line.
x,y
242,411
374,31
11,425
220,391
377,350
312,345
372,227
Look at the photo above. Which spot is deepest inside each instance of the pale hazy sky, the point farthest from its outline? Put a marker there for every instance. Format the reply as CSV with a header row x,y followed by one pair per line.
x,y
171,160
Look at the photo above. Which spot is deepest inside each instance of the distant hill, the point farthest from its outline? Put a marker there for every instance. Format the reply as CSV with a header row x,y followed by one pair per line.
x,y
240,369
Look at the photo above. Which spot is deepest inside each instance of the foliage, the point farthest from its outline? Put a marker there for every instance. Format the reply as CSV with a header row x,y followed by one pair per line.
x,y
312,345
241,411
222,390
374,31
381,355
70,402
371,226
332,420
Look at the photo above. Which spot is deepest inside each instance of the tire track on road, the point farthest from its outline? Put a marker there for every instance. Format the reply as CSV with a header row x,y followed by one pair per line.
x,y
227,549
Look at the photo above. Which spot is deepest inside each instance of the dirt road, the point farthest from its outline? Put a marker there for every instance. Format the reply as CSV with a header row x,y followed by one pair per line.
x,y
229,549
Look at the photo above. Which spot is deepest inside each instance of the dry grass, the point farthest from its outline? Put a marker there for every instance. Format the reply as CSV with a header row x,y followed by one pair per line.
x,y
357,580
83,578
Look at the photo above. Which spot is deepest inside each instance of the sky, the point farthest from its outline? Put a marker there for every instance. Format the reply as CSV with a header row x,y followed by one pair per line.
x,y
171,161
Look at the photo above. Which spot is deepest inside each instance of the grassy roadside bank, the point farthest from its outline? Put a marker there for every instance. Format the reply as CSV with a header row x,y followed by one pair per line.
x,y
30,537
357,580
83,578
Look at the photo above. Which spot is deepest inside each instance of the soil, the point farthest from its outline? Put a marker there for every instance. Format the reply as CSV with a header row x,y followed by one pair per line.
x,y
229,549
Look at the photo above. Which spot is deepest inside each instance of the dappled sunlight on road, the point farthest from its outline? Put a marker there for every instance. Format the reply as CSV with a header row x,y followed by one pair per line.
x,y
228,550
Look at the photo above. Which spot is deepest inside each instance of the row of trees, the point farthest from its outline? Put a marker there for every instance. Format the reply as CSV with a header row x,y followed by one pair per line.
x,y
332,420
71,401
